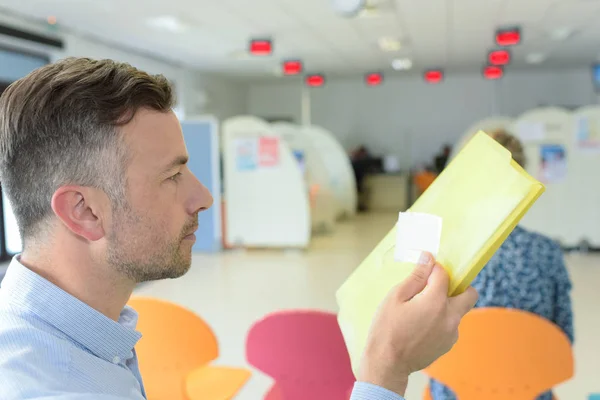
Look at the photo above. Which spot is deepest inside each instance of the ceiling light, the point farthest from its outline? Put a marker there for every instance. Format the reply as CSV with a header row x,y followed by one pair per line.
x,y
492,72
369,11
389,44
433,76
315,80
167,23
261,47
374,79
499,57
508,36
402,64
561,33
535,58
292,67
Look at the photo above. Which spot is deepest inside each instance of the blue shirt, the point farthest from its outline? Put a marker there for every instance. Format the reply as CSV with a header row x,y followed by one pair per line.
x,y
526,273
55,347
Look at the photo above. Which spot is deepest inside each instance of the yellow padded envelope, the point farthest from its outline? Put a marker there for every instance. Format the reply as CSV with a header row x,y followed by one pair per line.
x,y
481,196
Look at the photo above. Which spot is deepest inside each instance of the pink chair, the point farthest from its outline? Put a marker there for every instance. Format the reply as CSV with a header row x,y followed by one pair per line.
x,y
304,352
274,394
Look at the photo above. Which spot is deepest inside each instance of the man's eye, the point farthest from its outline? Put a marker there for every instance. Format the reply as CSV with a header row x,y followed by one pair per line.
x,y
175,177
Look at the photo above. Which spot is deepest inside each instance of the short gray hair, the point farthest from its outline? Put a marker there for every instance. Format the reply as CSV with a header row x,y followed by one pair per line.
x,y
59,126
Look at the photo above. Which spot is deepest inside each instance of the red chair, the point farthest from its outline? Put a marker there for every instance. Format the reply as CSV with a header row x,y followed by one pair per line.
x,y
274,393
304,352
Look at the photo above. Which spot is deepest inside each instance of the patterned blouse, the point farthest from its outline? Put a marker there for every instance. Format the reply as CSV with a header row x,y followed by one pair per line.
x,y
527,273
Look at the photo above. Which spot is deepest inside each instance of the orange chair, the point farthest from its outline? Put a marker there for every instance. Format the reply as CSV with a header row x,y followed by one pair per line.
x,y
422,180
174,355
504,354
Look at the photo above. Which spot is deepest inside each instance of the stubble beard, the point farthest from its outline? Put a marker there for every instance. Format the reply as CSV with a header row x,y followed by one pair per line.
x,y
142,254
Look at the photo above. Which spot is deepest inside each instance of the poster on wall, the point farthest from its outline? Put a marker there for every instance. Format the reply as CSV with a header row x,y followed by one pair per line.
x,y
268,151
246,154
553,165
588,134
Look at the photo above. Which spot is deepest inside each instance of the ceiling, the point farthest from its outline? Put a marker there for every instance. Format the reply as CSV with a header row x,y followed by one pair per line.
x,y
451,34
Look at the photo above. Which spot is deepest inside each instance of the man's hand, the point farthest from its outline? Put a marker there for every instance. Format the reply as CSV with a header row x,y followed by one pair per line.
x,y
416,324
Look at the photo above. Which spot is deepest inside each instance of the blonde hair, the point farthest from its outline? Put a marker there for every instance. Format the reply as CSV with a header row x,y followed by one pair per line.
x,y
512,144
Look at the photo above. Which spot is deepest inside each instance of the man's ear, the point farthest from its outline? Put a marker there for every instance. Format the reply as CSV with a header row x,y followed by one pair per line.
x,y
81,210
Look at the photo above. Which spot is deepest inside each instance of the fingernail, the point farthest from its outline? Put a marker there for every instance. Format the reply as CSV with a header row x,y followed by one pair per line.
x,y
425,258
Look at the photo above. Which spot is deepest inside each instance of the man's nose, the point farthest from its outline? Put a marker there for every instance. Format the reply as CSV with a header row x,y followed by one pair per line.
x,y
201,200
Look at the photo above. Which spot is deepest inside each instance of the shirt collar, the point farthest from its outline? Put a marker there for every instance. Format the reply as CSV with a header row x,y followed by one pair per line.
x,y
103,337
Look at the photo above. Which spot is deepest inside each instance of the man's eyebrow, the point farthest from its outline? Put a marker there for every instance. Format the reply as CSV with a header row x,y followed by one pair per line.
x,y
181,160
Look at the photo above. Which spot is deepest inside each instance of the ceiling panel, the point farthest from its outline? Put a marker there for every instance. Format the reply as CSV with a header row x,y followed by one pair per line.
x,y
265,17
299,45
590,34
582,51
427,29
317,12
523,11
454,34
212,15
570,14
473,36
375,27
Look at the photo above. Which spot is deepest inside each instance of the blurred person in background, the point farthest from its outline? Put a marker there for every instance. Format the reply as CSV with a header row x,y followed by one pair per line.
x,y
441,160
526,273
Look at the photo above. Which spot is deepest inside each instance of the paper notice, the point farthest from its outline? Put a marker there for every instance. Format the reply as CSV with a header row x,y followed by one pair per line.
x,y
417,232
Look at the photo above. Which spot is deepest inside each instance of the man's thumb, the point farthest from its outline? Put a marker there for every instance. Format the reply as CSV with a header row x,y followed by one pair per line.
x,y
417,280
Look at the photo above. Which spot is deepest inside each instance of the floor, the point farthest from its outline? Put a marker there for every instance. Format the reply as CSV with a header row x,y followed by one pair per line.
x,y
233,289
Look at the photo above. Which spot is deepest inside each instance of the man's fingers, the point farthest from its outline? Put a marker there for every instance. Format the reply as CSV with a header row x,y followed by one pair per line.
x,y
464,302
438,282
417,280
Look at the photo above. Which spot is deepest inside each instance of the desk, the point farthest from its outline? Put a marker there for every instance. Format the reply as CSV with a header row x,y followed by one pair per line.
x,y
387,192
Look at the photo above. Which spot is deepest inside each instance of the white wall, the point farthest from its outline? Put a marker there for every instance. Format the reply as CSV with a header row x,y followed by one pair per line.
x,y
211,94
411,119
226,98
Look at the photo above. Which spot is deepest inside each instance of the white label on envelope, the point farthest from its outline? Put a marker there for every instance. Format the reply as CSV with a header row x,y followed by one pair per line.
x,y
417,232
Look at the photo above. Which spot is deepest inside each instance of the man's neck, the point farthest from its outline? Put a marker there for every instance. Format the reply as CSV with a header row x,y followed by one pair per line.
x,y
76,273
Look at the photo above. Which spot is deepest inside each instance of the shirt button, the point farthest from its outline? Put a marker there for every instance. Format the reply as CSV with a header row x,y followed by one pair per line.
x,y
116,360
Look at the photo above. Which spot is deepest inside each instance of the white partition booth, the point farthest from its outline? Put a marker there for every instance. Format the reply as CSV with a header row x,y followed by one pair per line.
x,y
547,135
323,204
266,202
340,173
488,125
584,166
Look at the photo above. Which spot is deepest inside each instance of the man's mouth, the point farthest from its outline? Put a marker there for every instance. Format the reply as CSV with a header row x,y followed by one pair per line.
x,y
192,231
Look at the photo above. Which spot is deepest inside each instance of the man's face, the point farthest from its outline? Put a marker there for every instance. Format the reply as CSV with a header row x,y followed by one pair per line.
x,y
151,237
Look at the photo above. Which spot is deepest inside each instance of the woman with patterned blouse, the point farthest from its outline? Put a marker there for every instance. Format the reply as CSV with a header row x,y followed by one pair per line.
x,y
526,273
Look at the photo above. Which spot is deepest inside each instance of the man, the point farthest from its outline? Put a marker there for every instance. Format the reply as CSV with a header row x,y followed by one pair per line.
x,y
93,161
